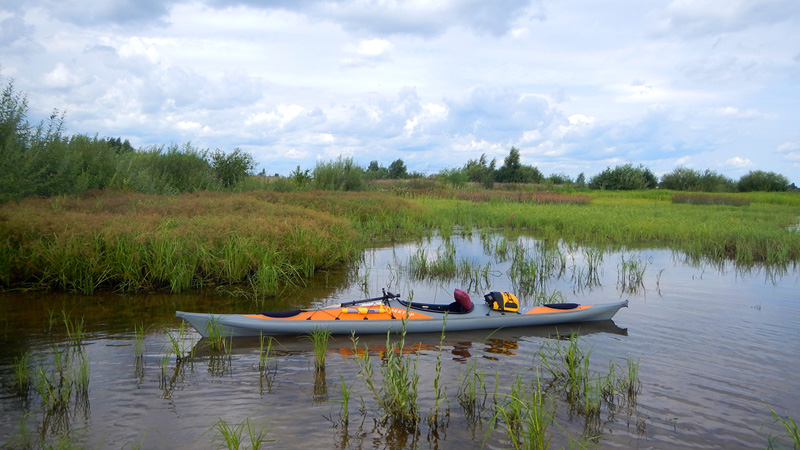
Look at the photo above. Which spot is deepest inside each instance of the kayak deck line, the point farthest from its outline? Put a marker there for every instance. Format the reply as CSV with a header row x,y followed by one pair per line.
x,y
393,314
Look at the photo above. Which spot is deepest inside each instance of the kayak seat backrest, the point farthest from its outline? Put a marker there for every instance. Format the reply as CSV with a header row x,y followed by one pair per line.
x,y
562,305
282,314
462,298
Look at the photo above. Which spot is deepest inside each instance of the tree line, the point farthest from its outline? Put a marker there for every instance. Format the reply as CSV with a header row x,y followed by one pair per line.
x,y
40,160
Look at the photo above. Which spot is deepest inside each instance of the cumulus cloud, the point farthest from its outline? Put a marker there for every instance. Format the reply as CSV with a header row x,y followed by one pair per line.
x,y
368,52
575,88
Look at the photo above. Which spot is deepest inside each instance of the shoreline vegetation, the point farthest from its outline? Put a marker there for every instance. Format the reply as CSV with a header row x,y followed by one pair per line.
x,y
264,241
81,213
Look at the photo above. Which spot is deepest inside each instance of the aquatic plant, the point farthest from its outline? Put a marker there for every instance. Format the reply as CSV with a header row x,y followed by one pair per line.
x,y
526,415
21,374
346,393
319,337
631,273
472,393
438,389
397,395
74,328
232,435
792,433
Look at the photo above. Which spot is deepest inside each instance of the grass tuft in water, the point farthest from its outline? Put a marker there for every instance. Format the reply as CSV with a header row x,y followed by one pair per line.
x,y
792,433
319,337
472,393
397,396
526,416
232,436
22,374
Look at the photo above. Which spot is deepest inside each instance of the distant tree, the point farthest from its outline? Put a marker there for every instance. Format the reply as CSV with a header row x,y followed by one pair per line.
x,y
559,178
625,177
119,146
453,177
480,171
375,171
684,179
397,170
760,180
300,178
581,179
513,171
231,168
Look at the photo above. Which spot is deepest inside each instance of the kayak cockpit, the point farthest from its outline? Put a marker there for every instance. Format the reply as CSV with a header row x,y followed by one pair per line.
x,y
461,305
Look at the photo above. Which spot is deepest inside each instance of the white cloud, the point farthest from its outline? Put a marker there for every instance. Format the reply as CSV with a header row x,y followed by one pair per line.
x,y
739,162
575,86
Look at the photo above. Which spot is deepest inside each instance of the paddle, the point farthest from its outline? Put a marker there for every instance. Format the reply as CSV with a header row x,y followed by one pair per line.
x,y
386,296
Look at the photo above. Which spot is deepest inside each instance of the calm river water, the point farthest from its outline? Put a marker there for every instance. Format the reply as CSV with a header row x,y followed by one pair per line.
x,y
717,346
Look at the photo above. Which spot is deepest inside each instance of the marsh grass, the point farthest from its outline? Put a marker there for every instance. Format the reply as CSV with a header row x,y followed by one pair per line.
x,y
266,361
74,328
60,385
444,265
698,198
21,372
472,393
397,395
440,394
526,416
346,393
585,391
131,242
792,433
631,274
232,436
532,267
319,338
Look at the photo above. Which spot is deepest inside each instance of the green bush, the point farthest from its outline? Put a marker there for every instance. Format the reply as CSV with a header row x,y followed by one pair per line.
x,y
759,180
684,179
624,178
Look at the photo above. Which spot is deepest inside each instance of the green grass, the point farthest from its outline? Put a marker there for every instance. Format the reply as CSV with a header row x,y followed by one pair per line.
x,y
792,433
319,337
267,241
233,436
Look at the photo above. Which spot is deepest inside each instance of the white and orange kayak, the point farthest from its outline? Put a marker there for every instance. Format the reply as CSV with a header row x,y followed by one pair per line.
x,y
389,313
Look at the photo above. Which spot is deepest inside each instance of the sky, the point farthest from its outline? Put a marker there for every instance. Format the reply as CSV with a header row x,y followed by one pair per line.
x,y
576,85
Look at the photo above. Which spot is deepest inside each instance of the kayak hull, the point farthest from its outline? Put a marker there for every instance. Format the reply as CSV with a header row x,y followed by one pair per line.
x,y
389,317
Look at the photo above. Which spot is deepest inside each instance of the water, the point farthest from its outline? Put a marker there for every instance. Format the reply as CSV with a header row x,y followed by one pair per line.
x,y
716,344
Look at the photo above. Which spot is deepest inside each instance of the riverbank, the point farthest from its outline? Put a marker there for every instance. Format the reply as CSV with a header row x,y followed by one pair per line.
x,y
263,241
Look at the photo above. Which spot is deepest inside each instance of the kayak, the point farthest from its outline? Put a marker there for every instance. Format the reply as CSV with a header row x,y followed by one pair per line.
x,y
389,313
